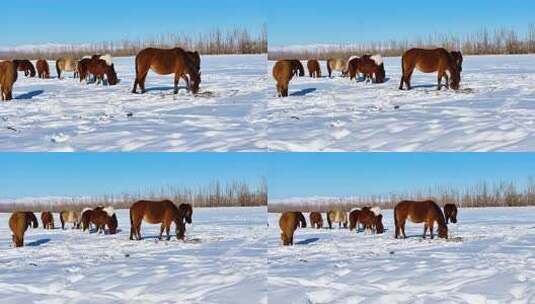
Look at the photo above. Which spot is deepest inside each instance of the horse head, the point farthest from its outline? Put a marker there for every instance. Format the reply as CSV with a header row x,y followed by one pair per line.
x,y
185,211
195,81
111,75
443,231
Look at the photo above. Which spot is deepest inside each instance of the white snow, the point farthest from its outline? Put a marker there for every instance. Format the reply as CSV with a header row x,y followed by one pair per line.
x,y
489,258
493,111
64,115
223,261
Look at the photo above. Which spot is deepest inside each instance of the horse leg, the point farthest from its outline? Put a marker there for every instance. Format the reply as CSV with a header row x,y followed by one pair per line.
x,y
431,229
439,80
403,229
425,230
177,78
167,228
162,227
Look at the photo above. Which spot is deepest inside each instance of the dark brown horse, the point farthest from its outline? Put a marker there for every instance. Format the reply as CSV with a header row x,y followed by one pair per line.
x,y
8,76
43,70
100,217
450,212
301,220
354,219
427,212
316,220
429,61
48,220
353,68
156,212
176,61
25,66
19,223
97,67
283,72
458,58
288,223
372,67
314,69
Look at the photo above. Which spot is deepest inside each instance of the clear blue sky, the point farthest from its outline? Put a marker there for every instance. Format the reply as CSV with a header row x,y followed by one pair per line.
x,y
339,21
65,21
77,174
346,174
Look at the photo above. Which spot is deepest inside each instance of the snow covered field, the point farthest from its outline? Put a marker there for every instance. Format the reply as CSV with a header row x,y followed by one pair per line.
x,y
62,115
489,258
223,261
493,111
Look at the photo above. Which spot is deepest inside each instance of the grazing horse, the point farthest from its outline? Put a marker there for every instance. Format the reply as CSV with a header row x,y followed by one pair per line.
x,y
48,220
458,58
429,61
100,217
98,67
427,212
301,220
352,67
314,69
337,216
354,219
66,64
43,70
336,64
288,223
450,212
371,219
8,76
70,216
372,67
316,220
25,66
283,71
168,61
19,223
156,212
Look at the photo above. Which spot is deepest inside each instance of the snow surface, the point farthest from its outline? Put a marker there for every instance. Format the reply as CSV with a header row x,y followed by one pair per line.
x,y
223,261
489,258
64,115
493,111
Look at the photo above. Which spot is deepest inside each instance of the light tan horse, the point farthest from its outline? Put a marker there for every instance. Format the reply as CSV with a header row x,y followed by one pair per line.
x,y
67,64
337,216
70,216
19,223
336,64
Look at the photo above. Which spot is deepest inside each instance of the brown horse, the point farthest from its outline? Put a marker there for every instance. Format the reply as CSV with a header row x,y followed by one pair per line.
x,y
283,72
450,212
168,61
156,212
316,220
97,67
336,64
372,67
337,216
48,220
288,223
67,64
458,58
314,69
8,76
429,61
19,223
100,217
371,221
25,66
354,219
427,212
70,216
353,68
43,70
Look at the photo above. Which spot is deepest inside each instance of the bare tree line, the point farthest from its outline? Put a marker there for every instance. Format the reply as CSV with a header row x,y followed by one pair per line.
x,y
483,42
232,41
499,194
214,194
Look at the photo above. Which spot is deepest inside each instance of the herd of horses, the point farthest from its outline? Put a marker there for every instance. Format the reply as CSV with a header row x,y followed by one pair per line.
x,y
97,68
446,64
370,219
163,212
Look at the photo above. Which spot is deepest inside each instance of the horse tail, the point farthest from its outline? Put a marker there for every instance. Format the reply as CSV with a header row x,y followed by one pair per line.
x,y
58,70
